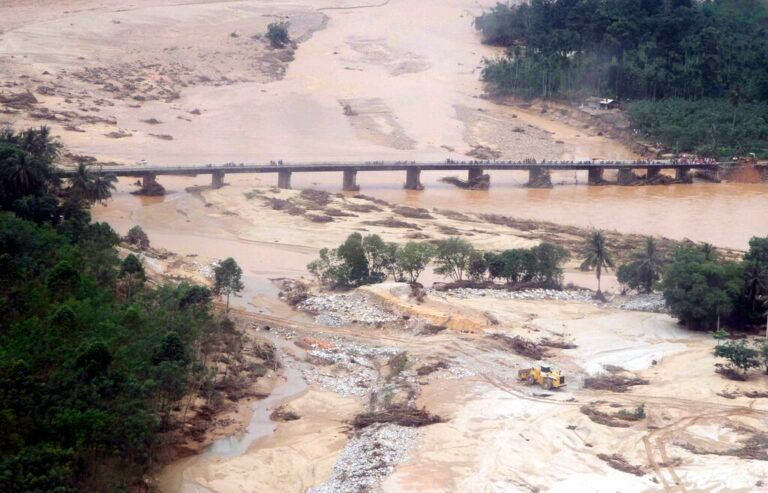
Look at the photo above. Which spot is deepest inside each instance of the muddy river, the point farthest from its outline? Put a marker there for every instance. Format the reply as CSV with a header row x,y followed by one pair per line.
x,y
725,214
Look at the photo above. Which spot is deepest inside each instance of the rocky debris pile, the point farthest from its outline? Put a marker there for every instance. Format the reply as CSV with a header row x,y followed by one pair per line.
x,y
370,456
347,369
335,310
653,302
527,294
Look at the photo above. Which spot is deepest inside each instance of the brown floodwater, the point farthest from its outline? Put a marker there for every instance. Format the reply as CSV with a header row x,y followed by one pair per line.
x,y
724,214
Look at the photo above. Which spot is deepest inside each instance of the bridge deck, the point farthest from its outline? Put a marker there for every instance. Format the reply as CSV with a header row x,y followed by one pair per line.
x,y
389,166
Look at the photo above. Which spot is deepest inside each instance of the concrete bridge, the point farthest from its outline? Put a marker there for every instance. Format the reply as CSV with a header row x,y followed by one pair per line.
x,y
538,171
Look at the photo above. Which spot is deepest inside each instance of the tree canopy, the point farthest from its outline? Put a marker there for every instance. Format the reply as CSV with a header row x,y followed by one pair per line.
x,y
696,70
92,359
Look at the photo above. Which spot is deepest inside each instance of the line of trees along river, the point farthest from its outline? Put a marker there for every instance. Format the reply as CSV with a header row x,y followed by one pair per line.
x,y
695,71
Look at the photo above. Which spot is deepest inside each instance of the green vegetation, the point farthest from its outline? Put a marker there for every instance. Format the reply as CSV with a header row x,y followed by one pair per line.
x,y
413,258
739,355
137,237
277,34
93,360
644,270
360,261
370,260
707,127
699,291
453,258
596,256
703,291
696,70
228,279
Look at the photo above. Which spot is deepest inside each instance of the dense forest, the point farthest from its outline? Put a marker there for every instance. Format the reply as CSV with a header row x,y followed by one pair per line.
x,y
92,357
709,59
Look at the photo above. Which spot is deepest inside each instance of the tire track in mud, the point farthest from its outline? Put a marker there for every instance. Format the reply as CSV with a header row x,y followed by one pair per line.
x,y
661,436
483,360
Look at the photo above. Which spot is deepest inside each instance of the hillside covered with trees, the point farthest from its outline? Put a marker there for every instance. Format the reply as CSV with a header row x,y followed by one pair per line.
x,y
92,357
695,74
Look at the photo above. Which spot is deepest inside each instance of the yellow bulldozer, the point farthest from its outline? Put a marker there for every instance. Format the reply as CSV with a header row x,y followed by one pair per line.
x,y
544,375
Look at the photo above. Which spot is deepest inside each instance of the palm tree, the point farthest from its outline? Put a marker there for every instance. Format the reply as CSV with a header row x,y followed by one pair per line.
x,y
596,256
93,187
649,263
82,181
21,172
103,186
755,281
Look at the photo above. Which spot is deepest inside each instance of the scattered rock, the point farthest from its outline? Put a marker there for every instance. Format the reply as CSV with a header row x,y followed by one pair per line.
x,y
369,457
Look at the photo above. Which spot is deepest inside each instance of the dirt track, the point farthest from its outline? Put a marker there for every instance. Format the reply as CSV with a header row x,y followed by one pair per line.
x,y
502,435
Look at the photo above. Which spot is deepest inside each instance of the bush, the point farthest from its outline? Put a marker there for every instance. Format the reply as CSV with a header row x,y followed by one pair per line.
x,y
477,266
739,355
700,292
355,262
137,237
277,34
549,259
453,257
413,258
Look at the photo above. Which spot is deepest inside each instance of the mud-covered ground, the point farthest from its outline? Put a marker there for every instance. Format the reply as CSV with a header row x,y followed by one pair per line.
x,y
681,427
196,82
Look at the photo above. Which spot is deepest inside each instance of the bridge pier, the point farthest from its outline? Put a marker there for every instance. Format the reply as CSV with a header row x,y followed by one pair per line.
x,y
595,176
683,175
150,186
473,174
627,177
217,179
476,179
284,179
413,179
652,174
350,181
539,178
